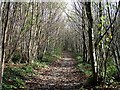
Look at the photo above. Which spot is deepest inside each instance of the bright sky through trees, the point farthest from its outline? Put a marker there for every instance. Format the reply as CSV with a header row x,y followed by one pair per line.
x,y
56,0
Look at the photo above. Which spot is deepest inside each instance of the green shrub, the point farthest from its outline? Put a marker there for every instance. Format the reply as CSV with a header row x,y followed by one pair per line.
x,y
110,70
12,79
36,65
57,51
83,66
78,57
86,68
47,58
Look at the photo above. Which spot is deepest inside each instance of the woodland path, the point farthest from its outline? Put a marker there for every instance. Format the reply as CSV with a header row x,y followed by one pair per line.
x,y
60,75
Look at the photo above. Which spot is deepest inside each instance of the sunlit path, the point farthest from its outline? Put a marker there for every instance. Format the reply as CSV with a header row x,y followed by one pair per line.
x,y
60,44
61,74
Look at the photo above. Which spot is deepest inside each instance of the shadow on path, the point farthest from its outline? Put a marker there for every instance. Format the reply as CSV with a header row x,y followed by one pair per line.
x,y
60,75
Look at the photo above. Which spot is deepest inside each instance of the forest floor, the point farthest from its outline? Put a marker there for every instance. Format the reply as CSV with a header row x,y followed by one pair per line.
x,y
61,74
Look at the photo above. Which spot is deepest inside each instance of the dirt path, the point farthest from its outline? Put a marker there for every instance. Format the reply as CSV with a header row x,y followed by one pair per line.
x,y
60,75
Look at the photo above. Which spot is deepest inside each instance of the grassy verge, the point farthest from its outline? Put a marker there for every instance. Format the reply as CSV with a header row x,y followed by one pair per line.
x,y
112,76
82,66
14,76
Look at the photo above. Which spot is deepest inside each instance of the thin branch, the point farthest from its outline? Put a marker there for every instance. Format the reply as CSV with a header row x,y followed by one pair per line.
x,y
100,38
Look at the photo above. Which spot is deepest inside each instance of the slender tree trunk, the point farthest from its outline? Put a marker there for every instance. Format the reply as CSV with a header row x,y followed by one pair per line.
x,y
90,33
29,43
4,26
83,36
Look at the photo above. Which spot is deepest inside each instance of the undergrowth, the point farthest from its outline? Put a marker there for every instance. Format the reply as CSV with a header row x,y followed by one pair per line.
x,y
112,75
14,76
82,66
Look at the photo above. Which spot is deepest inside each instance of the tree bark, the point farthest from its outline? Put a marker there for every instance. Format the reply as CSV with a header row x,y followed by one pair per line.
x,y
4,26
90,32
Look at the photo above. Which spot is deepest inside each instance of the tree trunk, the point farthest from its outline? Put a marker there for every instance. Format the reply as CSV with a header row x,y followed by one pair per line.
x,y
90,32
5,15
83,36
